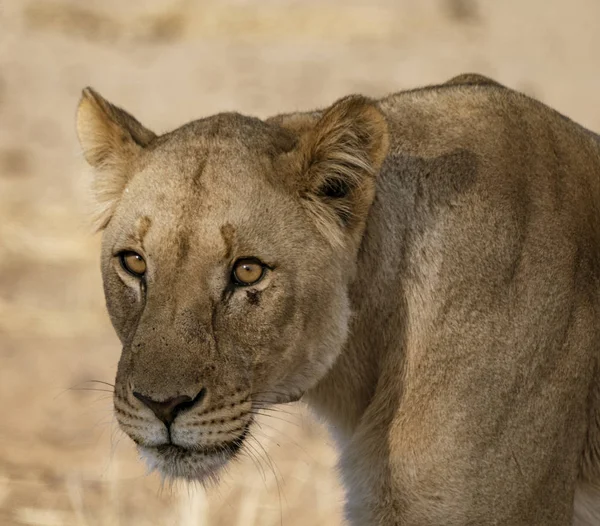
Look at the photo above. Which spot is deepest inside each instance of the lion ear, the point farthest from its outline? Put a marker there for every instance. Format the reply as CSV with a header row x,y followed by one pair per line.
x,y
111,140
341,157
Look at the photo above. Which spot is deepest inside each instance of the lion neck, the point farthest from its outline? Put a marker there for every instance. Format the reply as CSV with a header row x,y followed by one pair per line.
x,y
357,384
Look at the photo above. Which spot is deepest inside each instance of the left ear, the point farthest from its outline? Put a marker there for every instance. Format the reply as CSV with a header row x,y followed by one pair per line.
x,y
341,155
112,140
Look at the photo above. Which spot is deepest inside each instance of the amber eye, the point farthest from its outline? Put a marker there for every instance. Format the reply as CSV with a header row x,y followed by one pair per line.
x,y
133,263
248,271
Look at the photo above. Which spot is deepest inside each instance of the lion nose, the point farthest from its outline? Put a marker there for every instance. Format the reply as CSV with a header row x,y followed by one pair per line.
x,y
168,410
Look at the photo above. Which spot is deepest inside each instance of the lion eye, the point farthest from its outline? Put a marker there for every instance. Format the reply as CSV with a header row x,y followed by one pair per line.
x,y
248,271
133,263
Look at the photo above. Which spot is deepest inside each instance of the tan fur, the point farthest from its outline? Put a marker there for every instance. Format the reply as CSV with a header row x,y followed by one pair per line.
x,y
471,78
111,140
432,291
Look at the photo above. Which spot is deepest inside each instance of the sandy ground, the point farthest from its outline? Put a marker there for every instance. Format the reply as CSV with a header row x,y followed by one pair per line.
x,y
62,459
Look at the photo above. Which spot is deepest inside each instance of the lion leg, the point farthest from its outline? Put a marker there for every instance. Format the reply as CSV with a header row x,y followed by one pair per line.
x,y
444,469
487,428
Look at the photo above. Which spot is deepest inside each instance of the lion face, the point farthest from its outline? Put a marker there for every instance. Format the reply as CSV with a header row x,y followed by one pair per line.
x,y
228,249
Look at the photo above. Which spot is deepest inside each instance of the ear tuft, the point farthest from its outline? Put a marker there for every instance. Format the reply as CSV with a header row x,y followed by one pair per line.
x,y
112,141
342,155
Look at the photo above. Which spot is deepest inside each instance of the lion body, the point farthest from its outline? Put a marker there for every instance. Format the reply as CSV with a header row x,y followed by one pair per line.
x,y
456,362
471,378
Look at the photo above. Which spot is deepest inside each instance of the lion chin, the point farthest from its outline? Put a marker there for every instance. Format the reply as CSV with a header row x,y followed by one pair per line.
x,y
174,462
192,464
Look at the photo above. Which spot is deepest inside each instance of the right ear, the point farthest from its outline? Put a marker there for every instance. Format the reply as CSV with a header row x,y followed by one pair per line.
x,y
111,140
333,168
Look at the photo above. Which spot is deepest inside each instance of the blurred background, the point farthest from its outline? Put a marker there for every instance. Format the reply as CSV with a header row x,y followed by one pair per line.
x,y
63,460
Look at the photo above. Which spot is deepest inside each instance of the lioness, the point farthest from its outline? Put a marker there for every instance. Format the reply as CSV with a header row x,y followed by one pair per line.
x,y
423,270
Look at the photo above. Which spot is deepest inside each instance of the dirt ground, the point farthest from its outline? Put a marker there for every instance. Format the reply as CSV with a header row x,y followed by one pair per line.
x,y
62,459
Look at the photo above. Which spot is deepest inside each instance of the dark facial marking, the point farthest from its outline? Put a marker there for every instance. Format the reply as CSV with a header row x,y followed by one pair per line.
x,y
228,235
142,227
253,297
183,245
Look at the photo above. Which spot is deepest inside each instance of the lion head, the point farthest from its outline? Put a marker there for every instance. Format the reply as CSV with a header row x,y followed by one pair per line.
x,y
228,248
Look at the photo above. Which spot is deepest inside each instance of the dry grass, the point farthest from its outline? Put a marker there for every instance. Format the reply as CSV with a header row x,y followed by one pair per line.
x,y
62,460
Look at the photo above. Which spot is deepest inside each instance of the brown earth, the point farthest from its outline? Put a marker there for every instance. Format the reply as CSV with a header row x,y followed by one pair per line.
x,y
62,458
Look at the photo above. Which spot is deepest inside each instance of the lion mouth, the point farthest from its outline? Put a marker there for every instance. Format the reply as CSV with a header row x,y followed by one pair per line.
x,y
195,463
230,448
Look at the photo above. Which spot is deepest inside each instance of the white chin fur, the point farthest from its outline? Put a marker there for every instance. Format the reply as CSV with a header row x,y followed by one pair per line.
x,y
189,465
